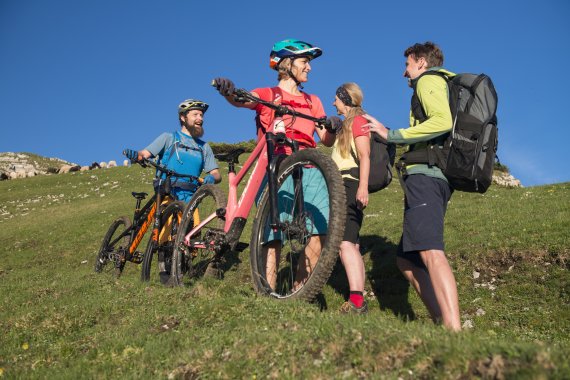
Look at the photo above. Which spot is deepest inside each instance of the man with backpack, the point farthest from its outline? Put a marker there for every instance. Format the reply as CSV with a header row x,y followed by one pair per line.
x,y
421,256
184,151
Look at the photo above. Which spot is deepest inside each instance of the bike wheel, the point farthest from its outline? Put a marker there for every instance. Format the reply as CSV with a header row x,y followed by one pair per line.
x,y
194,260
111,255
296,261
170,221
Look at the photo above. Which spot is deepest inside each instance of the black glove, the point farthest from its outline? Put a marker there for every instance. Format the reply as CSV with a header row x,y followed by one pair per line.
x,y
224,86
132,155
333,125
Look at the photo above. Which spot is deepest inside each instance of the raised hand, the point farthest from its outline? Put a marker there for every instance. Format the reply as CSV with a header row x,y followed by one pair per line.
x,y
224,86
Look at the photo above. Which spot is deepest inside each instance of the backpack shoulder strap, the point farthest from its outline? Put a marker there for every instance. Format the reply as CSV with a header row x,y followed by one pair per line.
x,y
275,93
261,129
353,154
176,138
308,100
417,107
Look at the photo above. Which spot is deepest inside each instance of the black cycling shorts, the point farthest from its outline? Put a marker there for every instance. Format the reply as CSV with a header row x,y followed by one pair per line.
x,y
354,215
424,213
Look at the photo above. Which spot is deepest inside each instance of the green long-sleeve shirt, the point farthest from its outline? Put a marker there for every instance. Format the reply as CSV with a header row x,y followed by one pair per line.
x,y
434,97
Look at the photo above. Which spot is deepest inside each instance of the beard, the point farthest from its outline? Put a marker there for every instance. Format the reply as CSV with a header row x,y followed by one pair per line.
x,y
195,130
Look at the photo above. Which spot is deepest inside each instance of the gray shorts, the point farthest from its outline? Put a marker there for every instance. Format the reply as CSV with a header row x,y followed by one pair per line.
x,y
425,207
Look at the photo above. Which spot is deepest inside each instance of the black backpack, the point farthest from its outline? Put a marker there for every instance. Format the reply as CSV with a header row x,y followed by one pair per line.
x,y
382,155
466,155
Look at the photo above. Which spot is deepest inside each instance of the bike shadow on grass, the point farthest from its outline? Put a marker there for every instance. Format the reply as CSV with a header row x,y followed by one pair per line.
x,y
389,286
217,270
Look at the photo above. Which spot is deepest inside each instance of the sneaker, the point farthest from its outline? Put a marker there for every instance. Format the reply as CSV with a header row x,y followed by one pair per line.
x,y
349,308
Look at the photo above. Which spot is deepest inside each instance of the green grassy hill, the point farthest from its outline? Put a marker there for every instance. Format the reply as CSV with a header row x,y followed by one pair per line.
x,y
510,250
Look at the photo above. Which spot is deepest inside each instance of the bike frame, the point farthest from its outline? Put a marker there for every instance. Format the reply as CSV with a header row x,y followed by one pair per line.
x,y
263,161
154,217
236,211
141,227
151,212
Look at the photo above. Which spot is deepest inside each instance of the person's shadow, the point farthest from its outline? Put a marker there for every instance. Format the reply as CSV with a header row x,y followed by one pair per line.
x,y
389,286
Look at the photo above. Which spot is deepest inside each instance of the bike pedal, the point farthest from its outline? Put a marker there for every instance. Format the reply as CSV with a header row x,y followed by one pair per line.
x,y
137,257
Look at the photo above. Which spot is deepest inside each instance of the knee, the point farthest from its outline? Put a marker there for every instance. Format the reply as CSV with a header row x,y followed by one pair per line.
x,y
346,246
432,256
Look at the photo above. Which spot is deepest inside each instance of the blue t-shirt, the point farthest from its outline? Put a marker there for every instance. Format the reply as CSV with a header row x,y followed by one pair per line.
x,y
185,155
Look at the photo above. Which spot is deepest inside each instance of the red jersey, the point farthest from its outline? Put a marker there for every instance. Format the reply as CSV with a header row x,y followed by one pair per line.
x,y
299,129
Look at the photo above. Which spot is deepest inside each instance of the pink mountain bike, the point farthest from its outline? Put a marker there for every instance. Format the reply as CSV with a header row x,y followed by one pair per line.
x,y
299,222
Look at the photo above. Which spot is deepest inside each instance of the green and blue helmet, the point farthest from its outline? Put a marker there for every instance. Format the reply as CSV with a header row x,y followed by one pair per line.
x,y
292,48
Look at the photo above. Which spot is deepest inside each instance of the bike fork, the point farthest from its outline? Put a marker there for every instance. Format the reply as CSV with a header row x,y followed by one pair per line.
x,y
272,171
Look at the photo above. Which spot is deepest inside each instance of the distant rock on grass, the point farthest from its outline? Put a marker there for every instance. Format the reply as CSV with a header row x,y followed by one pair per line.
x,y
505,179
22,165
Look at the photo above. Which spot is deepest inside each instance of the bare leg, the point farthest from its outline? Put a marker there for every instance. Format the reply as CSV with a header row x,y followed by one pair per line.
x,y
272,251
420,280
444,287
308,259
353,265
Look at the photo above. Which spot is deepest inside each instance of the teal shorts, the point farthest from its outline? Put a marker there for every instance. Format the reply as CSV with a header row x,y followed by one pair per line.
x,y
316,204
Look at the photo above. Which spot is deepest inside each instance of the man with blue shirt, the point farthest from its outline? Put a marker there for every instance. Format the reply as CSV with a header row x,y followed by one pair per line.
x,y
184,151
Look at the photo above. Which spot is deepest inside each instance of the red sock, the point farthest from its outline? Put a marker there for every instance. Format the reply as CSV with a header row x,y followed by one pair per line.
x,y
357,298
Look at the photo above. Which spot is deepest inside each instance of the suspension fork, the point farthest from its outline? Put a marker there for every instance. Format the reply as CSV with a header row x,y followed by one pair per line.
x,y
272,171
158,213
298,191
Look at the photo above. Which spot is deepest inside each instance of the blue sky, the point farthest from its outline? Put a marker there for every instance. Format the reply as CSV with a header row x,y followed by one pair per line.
x,y
81,80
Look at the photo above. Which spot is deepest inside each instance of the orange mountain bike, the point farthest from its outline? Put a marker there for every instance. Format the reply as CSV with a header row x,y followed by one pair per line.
x,y
299,222
161,212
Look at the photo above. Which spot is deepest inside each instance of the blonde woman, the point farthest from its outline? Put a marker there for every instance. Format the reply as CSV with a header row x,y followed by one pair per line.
x,y
351,153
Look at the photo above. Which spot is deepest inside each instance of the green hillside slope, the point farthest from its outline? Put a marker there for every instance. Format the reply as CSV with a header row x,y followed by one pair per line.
x,y
510,250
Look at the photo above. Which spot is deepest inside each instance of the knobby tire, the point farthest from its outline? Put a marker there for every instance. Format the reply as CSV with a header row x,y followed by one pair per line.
x,y
207,199
292,251
111,257
174,210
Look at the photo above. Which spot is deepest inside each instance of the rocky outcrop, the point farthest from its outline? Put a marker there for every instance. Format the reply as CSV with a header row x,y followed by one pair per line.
x,y
506,180
22,165
21,170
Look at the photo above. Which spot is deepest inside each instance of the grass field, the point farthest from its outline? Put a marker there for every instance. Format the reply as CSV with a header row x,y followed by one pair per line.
x,y
509,248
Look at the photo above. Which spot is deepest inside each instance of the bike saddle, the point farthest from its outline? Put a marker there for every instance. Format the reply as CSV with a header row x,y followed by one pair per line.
x,y
231,157
139,195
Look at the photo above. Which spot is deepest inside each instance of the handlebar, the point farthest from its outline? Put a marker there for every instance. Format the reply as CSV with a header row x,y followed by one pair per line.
x,y
163,169
244,96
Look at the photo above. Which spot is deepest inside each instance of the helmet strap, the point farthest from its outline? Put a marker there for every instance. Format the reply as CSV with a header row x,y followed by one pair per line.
x,y
290,72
